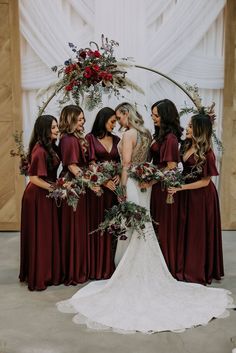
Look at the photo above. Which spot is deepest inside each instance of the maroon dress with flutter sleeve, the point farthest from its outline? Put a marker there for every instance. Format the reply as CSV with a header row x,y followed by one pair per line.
x,y
102,247
162,213
74,224
199,239
40,240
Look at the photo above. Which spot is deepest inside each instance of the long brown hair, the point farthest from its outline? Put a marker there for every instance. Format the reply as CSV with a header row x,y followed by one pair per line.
x,y
201,138
170,121
68,121
42,134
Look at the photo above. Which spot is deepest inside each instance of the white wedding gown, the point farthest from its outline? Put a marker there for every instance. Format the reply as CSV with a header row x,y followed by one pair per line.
x,y
142,295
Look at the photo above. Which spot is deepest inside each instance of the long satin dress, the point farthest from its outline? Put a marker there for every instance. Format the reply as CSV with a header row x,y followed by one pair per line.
x,y
40,241
102,247
74,224
165,214
199,231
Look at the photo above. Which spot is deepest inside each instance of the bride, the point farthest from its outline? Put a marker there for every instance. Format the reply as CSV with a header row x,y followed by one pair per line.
x,y
142,295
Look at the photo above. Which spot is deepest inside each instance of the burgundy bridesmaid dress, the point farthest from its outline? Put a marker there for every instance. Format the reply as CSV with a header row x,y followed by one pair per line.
x,y
102,247
74,225
200,240
40,242
165,214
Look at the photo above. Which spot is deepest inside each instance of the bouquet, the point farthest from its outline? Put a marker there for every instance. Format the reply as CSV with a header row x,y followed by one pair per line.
x,y
92,178
109,169
144,173
20,152
171,177
98,173
63,189
122,217
88,74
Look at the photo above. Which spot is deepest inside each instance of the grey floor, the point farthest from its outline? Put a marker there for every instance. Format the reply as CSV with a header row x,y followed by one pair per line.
x,y
30,322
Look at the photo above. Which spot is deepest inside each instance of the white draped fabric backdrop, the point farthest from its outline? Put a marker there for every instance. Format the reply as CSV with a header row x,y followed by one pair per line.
x,y
183,39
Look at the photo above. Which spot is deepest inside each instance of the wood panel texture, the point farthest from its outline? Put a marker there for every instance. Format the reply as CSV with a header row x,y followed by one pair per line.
x,y
228,168
11,183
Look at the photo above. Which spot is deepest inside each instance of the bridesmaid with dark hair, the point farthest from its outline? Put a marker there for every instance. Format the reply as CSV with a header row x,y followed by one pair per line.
x,y
165,154
200,242
74,224
102,147
40,243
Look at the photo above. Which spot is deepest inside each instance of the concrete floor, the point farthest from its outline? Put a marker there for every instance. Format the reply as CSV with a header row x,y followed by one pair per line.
x,y
30,322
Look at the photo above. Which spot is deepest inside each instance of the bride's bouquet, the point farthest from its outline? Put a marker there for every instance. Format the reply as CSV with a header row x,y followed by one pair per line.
x,y
123,217
144,173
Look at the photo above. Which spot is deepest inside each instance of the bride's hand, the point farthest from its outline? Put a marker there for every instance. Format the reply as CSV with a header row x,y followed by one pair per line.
x,y
110,185
146,185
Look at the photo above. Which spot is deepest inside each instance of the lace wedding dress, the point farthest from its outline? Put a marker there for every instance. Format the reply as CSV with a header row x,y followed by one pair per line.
x,y
142,295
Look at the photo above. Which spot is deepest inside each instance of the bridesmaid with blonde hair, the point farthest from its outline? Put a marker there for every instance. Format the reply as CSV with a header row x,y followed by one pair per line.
x,y
74,225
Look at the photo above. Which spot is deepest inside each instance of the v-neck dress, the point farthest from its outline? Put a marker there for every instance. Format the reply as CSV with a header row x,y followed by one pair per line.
x,y
102,247
166,214
199,230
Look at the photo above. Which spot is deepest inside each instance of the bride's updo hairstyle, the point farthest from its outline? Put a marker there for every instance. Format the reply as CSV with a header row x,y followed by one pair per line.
x,y
135,119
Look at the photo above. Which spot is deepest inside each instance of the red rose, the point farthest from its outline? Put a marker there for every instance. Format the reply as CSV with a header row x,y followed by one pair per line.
x,y
88,72
108,77
102,74
96,67
68,87
96,54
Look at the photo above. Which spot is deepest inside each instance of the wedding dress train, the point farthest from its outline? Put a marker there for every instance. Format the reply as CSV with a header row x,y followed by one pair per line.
x,y
142,295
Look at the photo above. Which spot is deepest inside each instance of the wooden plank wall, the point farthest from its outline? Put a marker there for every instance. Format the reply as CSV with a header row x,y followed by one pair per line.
x,y
228,170
11,183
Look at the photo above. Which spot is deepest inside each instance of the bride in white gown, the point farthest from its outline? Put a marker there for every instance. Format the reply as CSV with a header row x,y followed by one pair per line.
x,y
142,295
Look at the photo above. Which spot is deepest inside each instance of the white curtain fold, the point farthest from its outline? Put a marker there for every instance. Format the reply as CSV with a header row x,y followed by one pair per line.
x,y
181,38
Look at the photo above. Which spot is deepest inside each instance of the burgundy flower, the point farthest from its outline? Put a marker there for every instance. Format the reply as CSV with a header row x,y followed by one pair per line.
x,y
94,178
83,54
123,237
60,182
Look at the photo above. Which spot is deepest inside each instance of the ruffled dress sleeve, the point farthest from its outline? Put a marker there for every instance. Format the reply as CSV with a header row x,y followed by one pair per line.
x,y
209,168
169,151
38,164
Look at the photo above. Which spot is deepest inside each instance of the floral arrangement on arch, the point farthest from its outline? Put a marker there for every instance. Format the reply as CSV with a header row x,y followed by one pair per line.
x,y
91,72
199,108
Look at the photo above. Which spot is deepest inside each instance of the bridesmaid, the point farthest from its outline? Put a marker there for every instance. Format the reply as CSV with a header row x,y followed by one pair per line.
x,y
102,147
74,225
165,154
40,251
200,242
